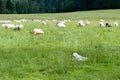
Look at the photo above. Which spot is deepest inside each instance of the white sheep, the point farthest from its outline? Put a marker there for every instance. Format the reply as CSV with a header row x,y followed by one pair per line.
x,y
87,22
18,21
3,25
36,20
8,26
38,31
79,57
18,27
5,21
81,23
61,24
21,26
23,20
102,24
116,24
44,23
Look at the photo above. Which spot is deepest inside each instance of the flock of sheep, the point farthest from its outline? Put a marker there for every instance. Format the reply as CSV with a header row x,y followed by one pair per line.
x,y
81,23
107,24
6,24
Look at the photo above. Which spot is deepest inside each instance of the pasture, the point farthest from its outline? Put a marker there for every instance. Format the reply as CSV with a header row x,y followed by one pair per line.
x,y
24,56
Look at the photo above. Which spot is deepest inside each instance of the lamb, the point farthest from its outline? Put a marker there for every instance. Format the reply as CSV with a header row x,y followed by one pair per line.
x,y
79,57
61,24
37,31
116,24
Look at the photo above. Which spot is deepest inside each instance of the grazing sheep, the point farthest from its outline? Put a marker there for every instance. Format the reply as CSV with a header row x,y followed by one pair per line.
x,y
18,27
44,23
8,26
108,24
81,23
116,24
21,26
23,20
79,57
37,31
3,25
87,22
61,24
102,24
35,20
18,21
5,21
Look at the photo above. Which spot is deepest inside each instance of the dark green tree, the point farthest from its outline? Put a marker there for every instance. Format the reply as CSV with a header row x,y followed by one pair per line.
x,y
0,6
50,6
10,6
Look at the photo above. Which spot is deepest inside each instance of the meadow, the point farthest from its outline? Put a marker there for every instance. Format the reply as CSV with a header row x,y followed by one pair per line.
x,y
24,56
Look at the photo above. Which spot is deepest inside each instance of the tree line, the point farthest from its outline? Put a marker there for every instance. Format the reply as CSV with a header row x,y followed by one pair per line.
x,y
54,6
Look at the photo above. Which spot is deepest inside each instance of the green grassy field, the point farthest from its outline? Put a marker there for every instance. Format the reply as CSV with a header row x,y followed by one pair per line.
x,y
24,56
